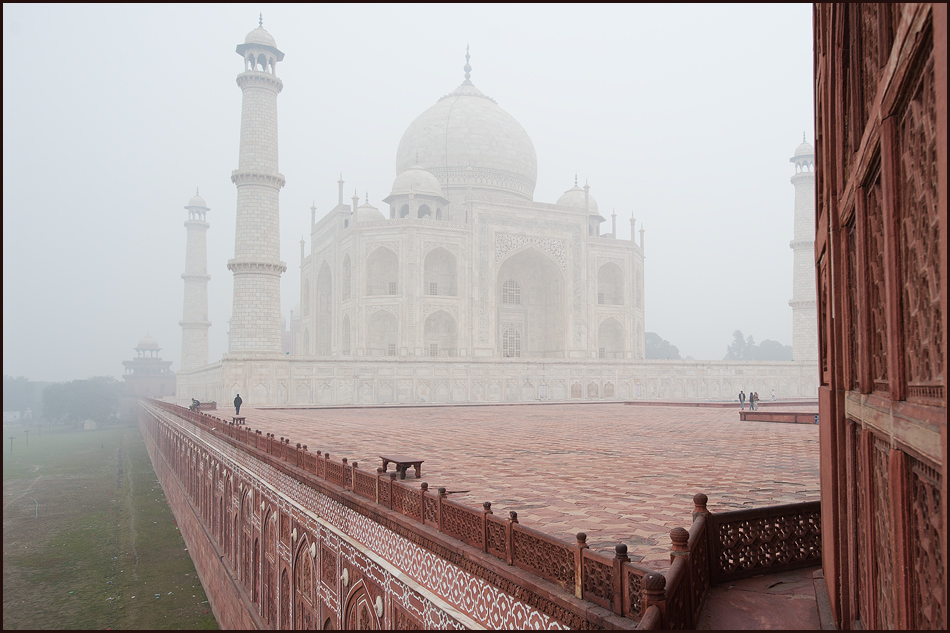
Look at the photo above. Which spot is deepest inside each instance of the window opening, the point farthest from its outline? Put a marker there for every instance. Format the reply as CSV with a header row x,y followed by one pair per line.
x,y
392,287
391,349
511,343
511,292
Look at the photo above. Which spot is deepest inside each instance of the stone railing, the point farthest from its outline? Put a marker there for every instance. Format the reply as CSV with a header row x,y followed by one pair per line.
x,y
716,548
727,546
612,582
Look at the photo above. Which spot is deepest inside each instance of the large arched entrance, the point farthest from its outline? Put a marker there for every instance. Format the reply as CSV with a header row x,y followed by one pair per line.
x,y
531,312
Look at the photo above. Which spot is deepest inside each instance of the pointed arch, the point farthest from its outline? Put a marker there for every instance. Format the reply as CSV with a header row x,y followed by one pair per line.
x,y
345,335
534,287
440,334
382,331
346,282
382,272
440,273
324,315
610,340
610,285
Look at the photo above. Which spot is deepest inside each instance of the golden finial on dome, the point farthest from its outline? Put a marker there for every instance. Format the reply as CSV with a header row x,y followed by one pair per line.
x,y
260,21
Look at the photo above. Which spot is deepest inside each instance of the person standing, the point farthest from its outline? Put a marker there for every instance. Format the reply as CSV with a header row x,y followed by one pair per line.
x,y
754,400
742,401
773,395
237,404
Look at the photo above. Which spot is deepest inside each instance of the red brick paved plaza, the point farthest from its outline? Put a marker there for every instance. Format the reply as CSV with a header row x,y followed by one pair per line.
x,y
619,473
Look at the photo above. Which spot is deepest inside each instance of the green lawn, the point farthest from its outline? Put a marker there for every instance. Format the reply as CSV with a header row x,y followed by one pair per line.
x,y
89,541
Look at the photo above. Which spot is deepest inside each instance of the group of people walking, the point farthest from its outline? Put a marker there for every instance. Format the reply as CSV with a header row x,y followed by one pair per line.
x,y
753,400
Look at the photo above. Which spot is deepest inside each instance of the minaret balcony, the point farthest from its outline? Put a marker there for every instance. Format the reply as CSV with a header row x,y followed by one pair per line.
x,y
239,178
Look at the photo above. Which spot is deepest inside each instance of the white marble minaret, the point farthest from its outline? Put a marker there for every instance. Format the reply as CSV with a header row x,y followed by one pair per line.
x,y
255,315
194,322
804,298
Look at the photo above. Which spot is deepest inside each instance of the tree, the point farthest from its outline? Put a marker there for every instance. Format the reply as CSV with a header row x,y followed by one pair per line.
x,y
742,348
737,350
90,399
659,348
18,393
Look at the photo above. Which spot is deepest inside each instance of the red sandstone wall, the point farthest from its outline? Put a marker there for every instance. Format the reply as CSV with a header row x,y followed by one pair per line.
x,y
881,261
230,604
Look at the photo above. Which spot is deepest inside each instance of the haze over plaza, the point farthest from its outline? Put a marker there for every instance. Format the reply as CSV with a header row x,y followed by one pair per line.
x,y
131,155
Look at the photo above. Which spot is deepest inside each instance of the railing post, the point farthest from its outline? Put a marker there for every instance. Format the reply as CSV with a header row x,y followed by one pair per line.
x,y
654,594
391,484
579,565
620,557
680,546
680,549
510,537
423,489
699,503
439,507
326,466
486,510
379,473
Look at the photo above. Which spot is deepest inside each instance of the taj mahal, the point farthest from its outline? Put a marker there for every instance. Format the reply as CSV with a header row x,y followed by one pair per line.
x,y
461,288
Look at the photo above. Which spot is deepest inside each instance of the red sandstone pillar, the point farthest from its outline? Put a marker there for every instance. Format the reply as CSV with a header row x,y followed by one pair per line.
x,y
579,565
509,537
654,594
620,557
486,510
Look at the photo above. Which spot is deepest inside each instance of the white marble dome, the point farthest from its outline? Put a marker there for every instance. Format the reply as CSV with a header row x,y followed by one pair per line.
x,y
574,197
197,201
467,128
368,213
147,342
418,181
805,149
260,36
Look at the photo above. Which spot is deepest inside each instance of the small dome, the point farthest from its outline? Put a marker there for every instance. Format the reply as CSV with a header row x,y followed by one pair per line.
x,y
147,342
418,181
574,197
197,201
805,149
368,213
260,36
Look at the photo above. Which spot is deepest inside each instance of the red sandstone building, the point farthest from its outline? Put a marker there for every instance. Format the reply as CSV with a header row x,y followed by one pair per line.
x,y
881,258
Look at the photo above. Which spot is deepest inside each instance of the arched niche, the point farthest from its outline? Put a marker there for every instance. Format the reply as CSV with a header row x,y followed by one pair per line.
x,y
346,282
324,316
382,272
540,312
440,273
345,334
425,211
440,334
381,334
610,339
610,285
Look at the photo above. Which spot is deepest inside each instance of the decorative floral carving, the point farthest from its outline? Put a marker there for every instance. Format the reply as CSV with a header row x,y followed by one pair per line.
x,y
507,242
927,555
920,242
876,299
881,511
462,523
598,580
548,560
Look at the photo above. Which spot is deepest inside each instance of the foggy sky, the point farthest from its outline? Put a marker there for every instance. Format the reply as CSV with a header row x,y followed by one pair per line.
x,y
112,115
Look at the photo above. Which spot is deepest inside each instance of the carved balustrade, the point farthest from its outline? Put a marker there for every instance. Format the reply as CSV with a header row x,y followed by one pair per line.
x,y
764,540
717,547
